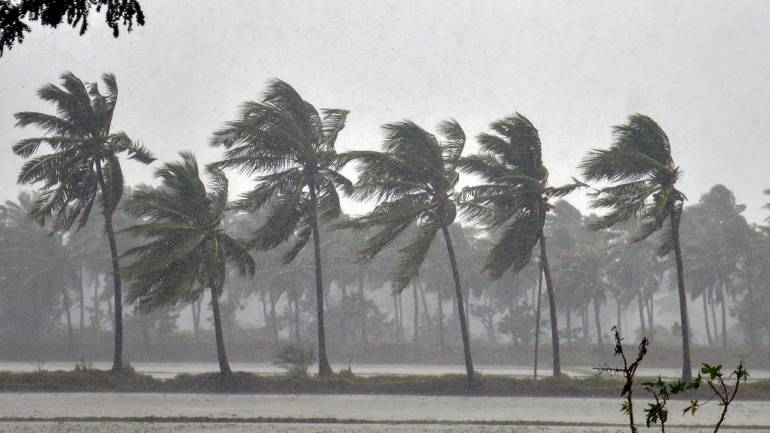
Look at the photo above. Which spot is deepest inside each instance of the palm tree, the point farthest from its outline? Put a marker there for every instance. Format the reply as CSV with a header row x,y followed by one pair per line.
x,y
290,146
414,180
642,176
83,166
186,248
514,199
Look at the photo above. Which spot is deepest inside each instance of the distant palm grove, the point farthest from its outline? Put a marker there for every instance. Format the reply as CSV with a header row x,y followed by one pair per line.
x,y
502,253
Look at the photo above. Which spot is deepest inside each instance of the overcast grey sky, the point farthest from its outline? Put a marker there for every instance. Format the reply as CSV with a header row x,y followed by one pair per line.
x,y
701,69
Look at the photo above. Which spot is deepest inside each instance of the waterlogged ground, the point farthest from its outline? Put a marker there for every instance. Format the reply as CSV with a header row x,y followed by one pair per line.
x,y
167,370
351,408
98,427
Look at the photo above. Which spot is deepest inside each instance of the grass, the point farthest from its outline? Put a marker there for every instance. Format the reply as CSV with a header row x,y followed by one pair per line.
x,y
90,380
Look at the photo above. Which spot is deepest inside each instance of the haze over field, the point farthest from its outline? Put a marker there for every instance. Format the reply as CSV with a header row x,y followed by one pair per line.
x,y
700,69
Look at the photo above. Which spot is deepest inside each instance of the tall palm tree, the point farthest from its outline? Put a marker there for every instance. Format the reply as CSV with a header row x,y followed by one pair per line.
x,y
414,180
642,176
186,249
83,166
513,200
289,145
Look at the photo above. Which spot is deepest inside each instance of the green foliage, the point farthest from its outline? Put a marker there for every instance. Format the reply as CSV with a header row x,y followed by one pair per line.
x,y
84,163
290,147
514,195
186,250
641,170
413,179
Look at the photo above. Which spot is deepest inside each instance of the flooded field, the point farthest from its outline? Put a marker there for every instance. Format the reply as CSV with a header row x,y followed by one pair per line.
x,y
309,428
167,370
247,410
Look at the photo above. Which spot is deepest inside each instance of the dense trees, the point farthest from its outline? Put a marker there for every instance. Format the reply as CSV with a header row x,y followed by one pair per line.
x,y
189,243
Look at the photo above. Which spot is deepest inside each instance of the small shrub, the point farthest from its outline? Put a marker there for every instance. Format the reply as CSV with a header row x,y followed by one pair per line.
x,y
82,365
295,360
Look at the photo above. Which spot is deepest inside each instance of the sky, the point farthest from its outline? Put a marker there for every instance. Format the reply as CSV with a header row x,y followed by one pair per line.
x,y
700,69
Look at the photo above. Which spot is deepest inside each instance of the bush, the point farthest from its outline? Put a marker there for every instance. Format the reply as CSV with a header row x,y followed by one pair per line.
x,y
295,360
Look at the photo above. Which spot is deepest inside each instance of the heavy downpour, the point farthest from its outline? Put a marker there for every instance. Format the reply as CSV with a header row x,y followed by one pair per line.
x,y
386,216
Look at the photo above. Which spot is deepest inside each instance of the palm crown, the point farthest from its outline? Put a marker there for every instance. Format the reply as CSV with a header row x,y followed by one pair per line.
x,y
414,179
643,173
514,194
84,158
291,146
186,250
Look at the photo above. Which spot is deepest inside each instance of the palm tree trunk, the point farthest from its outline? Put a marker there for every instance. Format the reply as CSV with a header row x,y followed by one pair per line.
x,y
426,319
650,312
324,368
551,305
569,325
95,317
396,319
597,311
82,303
273,320
224,365
537,316
297,334
416,315
265,320
362,311
714,322
618,314
685,322
724,316
706,319
400,315
640,301
441,338
344,314
196,315
68,314
109,208
460,309
584,319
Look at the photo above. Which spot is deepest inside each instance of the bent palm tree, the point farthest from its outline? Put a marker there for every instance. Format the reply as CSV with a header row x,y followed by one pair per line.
x,y
187,250
514,198
414,179
83,166
643,179
290,146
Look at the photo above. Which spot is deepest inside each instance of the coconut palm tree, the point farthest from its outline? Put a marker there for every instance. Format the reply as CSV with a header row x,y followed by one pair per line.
x,y
186,249
414,180
513,200
642,176
289,145
83,167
